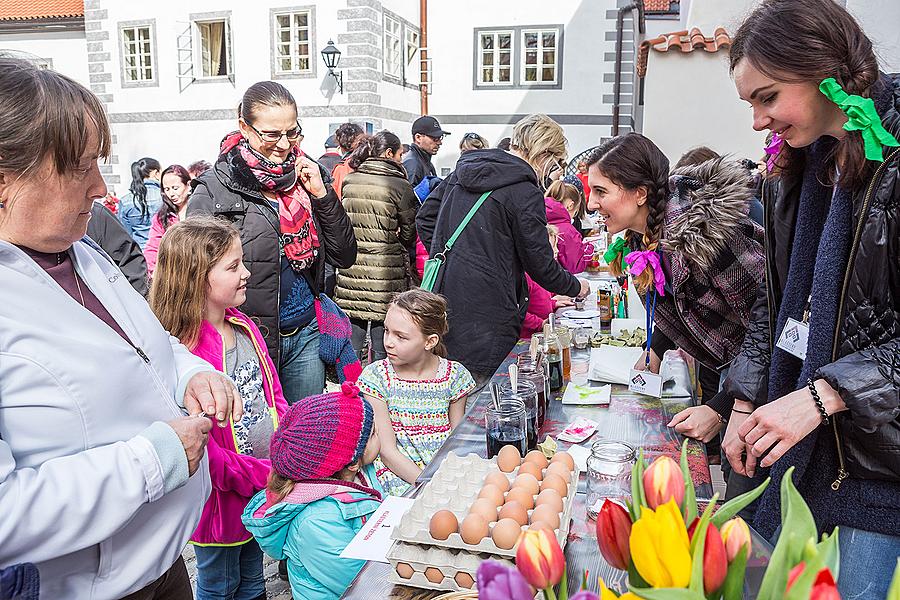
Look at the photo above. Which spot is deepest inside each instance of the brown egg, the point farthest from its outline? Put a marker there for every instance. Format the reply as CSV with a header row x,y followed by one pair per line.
x,y
522,496
492,493
564,457
473,529
530,468
464,580
555,482
434,575
546,514
515,511
404,570
498,479
527,482
506,533
508,459
443,523
485,508
559,468
537,457
550,497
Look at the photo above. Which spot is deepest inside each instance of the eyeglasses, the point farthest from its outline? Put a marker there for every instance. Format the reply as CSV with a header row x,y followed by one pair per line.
x,y
273,137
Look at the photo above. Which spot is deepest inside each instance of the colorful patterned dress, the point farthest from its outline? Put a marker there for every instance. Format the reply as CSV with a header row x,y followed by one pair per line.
x,y
418,409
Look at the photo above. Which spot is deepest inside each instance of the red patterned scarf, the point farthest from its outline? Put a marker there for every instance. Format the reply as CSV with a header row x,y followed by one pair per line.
x,y
299,238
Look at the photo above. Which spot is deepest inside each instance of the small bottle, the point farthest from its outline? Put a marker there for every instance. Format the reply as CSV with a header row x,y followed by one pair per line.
x,y
565,341
553,352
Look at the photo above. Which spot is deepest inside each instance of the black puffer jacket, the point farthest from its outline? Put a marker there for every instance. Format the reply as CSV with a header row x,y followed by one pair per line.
x,y
105,229
218,192
866,367
484,275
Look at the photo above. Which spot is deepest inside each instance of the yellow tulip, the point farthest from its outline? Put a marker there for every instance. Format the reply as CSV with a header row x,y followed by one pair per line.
x,y
606,593
660,548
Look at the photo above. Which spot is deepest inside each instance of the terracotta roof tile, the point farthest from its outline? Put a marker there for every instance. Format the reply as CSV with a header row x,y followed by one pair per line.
x,y
21,10
682,41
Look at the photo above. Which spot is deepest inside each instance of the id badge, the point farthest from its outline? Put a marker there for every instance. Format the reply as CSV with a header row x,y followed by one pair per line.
x,y
793,338
645,382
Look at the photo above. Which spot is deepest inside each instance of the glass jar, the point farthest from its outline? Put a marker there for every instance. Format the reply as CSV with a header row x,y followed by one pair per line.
x,y
565,341
506,425
608,473
529,370
527,393
582,338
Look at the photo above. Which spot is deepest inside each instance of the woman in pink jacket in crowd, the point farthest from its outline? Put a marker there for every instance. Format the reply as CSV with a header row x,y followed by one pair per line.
x,y
565,202
204,318
540,302
176,189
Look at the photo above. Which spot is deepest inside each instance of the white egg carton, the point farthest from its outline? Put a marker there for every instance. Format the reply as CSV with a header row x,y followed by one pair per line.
x,y
454,487
449,562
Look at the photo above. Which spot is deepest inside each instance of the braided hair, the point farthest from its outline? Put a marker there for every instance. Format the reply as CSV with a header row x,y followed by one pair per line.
x,y
632,161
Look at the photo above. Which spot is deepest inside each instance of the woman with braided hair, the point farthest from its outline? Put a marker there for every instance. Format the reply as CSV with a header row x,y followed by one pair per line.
x,y
696,256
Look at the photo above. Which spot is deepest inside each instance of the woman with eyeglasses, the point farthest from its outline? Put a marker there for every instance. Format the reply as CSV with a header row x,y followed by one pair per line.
x,y
472,141
291,224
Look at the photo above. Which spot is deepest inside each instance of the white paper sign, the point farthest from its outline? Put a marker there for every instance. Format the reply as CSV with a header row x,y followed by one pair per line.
x,y
373,541
794,338
645,382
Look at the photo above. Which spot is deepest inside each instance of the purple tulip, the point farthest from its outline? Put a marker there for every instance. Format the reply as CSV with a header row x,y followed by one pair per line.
x,y
496,581
585,595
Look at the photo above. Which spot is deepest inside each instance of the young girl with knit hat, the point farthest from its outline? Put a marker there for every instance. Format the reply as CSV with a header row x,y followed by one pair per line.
x,y
318,497
417,394
200,279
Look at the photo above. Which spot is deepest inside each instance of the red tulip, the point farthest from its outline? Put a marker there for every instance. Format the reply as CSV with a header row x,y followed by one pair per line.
x,y
823,588
735,535
540,559
715,561
662,482
613,531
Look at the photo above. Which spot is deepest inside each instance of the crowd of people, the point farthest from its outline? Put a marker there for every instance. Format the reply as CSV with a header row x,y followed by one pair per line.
x,y
164,358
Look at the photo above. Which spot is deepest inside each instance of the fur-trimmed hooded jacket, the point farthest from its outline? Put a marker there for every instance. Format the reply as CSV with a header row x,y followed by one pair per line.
x,y
713,258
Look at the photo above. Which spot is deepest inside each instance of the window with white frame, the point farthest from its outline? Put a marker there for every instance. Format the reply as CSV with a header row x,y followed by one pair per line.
x,y
495,58
412,44
215,48
292,42
539,60
392,47
137,54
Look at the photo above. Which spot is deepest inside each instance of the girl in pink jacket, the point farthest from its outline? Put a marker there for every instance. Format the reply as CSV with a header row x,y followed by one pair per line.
x,y
176,190
565,202
200,279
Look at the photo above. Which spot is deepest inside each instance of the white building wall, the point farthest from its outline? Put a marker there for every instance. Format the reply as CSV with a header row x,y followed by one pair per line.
x,y
880,20
66,50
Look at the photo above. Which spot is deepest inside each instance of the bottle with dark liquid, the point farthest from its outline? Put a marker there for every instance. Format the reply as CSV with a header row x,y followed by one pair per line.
x,y
506,425
554,353
531,371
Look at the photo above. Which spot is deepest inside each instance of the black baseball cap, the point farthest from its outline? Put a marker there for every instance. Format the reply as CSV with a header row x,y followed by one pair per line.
x,y
330,142
428,126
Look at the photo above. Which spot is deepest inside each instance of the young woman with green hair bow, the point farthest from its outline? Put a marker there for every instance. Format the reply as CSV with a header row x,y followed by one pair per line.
x,y
830,408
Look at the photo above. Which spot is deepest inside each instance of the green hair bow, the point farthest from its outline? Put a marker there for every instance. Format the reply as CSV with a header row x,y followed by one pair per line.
x,y
862,117
617,248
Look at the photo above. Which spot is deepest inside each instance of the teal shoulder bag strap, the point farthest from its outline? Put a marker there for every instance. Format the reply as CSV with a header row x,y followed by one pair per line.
x,y
433,265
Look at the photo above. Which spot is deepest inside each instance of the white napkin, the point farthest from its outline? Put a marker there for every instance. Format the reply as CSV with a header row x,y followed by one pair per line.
x,y
613,364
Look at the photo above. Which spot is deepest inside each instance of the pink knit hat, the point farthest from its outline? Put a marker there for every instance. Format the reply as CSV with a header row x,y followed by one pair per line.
x,y
320,435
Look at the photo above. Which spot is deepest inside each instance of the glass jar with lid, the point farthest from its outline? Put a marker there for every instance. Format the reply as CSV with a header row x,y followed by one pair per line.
x,y
608,473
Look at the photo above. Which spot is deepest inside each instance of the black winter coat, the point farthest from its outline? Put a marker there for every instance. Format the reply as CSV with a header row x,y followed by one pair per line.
x,y
866,354
418,165
483,277
219,192
105,229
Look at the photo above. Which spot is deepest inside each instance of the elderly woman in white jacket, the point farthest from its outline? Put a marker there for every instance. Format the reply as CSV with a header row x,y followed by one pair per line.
x,y
102,477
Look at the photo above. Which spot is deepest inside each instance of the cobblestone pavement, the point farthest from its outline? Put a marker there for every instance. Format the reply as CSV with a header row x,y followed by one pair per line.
x,y
275,588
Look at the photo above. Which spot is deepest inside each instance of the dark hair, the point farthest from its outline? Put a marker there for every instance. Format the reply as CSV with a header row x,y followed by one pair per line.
x,y
167,209
797,42
46,114
264,93
504,143
198,168
140,170
633,161
429,311
695,156
373,145
346,135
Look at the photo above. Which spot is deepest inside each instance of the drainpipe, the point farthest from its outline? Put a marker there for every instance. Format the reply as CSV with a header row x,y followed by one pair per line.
x,y
617,85
423,54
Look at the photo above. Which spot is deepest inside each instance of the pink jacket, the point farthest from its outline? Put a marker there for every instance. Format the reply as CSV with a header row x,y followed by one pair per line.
x,y
540,305
573,252
151,250
421,257
235,477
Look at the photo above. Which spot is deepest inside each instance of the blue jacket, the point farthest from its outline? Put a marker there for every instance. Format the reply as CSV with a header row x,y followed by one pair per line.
x,y
310,528
138,226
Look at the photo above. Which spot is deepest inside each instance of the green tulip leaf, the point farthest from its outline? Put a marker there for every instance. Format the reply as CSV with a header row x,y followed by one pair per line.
x,y
803,584
731,508
733,588
690,495
797,526
894,590
666,593
564,586
634,578
637,485
830,552
698,543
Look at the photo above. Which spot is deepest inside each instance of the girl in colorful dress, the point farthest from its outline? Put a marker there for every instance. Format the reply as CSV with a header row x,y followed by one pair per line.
x,y
204,318
418,395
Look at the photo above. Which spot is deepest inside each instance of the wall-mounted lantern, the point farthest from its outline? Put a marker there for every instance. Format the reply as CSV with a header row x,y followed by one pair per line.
x,y
332,56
